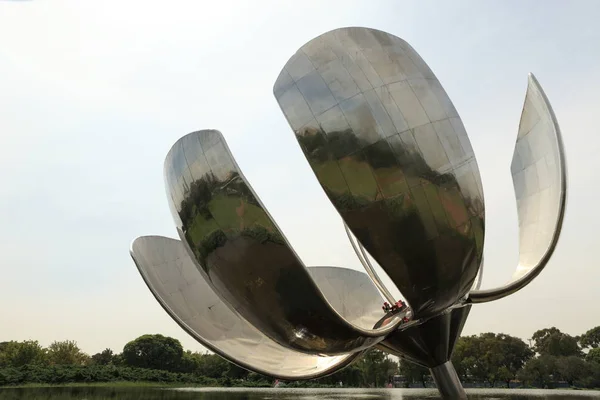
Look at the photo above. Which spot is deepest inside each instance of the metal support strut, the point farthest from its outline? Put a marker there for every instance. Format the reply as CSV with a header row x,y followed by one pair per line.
x,y
447,381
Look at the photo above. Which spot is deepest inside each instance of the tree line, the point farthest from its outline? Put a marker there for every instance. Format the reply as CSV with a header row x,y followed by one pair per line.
x,y
487,359
552,358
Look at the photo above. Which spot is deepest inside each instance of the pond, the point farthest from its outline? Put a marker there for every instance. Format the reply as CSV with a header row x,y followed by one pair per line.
x,y
120,393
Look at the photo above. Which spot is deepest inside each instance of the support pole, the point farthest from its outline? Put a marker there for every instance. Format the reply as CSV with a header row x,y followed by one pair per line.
x,y
447,382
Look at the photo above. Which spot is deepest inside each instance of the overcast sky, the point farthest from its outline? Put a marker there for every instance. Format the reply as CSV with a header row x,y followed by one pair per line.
x,y
93,94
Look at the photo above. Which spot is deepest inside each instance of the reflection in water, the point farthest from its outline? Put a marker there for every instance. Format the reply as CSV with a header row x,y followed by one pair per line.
x,y
106,393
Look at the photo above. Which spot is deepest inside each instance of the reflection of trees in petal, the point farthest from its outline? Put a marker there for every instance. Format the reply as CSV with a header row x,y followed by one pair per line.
x,y
319,146
214,211
208,244
444,198
197,198
412,218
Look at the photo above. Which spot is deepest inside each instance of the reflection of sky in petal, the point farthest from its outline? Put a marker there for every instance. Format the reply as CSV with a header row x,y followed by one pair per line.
x,y
164,262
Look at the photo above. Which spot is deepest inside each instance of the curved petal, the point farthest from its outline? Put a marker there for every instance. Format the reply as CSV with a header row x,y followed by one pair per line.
x,y
178,286
431,343
243,255
479,279
350,292
392,154
540,179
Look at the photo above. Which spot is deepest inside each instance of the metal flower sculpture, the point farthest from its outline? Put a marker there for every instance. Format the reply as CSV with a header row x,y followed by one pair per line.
x,y
392,155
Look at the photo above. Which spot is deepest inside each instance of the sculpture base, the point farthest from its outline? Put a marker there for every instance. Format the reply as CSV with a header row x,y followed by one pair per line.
x,y
447,381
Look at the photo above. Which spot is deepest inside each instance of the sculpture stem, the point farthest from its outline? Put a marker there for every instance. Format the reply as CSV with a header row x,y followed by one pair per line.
x,y
447,381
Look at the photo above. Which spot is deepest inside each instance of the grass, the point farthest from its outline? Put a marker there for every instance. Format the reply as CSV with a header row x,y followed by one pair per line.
x,y
229,213
438,208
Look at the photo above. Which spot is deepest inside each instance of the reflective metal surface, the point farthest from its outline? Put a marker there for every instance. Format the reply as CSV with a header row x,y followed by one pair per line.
x,y
447,382
174,280
479,278
429,343
243,255
392,154
539,176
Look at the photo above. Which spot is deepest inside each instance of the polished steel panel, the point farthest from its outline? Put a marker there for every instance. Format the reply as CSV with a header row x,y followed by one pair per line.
x,y
392,154
479,278
539,176
447,382
174,280
243,255
429,343
350,292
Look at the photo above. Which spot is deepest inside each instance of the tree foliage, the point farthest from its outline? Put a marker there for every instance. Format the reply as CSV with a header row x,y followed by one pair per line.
x,y
591,339
60,374
546,370
486,358
376,368
66,353
413,373
490,357
105,357
553,342
571,368
539,371
17,354
154,352
593,356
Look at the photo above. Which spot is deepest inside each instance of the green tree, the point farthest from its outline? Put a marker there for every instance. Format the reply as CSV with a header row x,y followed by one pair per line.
x,y
351,376
212,366
413,372
235,372
376,368
154,352
66,352
506,375
189,362
464,356
539,371
105,357
490,357
593,378
593,356
514,354
571,368
553,342
17,354
591,339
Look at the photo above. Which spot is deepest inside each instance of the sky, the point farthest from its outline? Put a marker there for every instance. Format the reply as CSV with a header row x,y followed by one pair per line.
x,y
93,94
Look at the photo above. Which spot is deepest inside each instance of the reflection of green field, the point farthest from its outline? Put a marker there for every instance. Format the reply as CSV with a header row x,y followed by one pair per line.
x,y
359,177
330,176
224,210
478,232
438,208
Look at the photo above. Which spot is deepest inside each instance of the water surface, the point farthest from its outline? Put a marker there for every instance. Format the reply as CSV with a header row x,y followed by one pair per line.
x,y
106,393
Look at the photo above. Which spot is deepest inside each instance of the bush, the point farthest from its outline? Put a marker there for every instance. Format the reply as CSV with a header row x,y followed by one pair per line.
x,y
61,374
